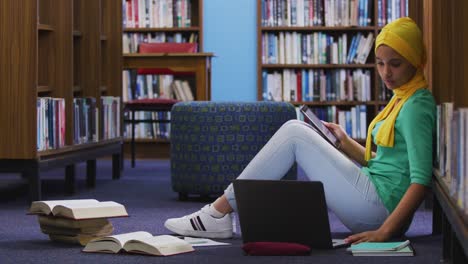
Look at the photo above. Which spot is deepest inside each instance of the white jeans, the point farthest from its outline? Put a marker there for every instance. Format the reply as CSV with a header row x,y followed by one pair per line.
x,y
349,193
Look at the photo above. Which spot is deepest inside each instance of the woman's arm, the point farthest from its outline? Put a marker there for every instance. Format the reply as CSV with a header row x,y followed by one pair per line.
x,y
408,204
349,146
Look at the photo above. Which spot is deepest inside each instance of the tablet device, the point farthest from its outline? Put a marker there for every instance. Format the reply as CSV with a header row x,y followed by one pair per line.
x,y
312,119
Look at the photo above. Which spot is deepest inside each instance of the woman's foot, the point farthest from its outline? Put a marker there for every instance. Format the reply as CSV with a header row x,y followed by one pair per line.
x,y
207,222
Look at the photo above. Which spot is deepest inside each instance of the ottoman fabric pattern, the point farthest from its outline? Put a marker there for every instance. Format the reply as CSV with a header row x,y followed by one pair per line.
x,y
212,142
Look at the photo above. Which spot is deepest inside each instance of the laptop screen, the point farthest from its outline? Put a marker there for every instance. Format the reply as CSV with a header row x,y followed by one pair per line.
x,y
283,211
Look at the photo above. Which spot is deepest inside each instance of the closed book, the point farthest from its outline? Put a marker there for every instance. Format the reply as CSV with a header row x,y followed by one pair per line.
x,y
61,222
404,252
382,249
93,230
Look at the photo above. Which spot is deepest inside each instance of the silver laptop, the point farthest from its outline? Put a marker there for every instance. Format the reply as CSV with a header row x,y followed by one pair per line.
x,y
284,211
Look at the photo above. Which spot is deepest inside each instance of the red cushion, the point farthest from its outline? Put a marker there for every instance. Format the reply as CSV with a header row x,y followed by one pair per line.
x,y
275,249
158,71
166,47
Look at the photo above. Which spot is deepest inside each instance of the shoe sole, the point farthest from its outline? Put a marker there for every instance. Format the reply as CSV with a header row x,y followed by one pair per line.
x,y
194,233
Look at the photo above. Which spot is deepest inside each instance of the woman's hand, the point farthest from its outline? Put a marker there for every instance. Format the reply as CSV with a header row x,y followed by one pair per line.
x,y
338,131
368,236
397,219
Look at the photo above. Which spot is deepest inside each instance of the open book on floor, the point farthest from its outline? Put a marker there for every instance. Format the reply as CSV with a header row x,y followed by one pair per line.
x,y
382,249
140,242
78,209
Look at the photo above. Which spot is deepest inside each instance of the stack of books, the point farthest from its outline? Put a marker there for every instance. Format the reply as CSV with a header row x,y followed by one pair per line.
x,y
382,249
76,221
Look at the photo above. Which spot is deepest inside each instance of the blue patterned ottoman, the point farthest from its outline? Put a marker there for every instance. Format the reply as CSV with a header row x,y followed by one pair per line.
x,y
212,142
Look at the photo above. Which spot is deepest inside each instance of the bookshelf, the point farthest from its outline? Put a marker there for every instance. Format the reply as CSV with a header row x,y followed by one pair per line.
x,y
163,21
293,44
446,41
183,17
64,49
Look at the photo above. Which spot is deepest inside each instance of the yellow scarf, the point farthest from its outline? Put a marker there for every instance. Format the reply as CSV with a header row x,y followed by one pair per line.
x,y
385,136
404,36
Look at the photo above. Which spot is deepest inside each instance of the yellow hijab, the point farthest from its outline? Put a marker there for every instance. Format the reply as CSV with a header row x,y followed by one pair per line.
x,y
404,36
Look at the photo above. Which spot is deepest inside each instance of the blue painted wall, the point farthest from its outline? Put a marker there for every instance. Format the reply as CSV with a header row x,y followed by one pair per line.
x,y
230,33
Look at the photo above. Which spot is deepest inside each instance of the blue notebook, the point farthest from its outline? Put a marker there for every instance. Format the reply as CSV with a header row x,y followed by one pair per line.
x,y
382,249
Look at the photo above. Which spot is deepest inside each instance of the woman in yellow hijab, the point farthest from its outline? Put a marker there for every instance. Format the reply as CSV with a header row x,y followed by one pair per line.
x,y
375,199
403,131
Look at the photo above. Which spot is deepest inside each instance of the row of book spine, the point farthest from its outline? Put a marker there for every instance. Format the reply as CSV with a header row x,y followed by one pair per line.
x,y
150,86
149,130
317,85
316,13
110,116
383,94
315,48
85,120
156,13
130,41
353,120
389,10
451,157
51,120
50,123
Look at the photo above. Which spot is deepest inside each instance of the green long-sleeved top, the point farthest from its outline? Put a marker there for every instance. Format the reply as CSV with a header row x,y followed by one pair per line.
x,y
410,159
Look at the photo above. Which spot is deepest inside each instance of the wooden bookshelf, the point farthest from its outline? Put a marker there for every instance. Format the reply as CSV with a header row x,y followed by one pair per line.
x,y
450,220
199,63
446,40
54,49
373,105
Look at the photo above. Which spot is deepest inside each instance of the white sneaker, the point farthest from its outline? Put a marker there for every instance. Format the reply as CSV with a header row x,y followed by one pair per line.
x,y
201,224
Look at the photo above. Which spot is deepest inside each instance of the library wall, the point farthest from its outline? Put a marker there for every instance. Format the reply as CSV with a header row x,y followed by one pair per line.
x,y
233,41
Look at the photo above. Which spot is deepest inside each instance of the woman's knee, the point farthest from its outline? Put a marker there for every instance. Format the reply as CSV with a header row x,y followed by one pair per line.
x,y
292,122
298,128
292,126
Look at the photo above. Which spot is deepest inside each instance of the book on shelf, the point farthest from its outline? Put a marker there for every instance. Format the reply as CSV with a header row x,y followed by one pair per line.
x,y
182,90
156,14
177,90
109,113
78,209
187,91
451,148
139,242
401,248
84,120
50,123
364,50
